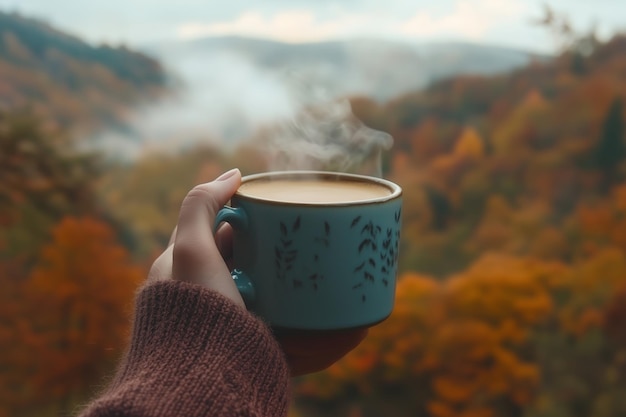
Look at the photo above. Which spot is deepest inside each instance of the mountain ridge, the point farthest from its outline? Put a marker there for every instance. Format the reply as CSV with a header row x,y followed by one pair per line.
x,y
71,83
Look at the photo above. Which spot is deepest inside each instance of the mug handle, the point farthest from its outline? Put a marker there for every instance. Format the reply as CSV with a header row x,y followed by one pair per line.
x,y
238,219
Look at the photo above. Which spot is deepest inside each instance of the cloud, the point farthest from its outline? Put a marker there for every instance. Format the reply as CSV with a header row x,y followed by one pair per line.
x,y
465,19
468,19
291,26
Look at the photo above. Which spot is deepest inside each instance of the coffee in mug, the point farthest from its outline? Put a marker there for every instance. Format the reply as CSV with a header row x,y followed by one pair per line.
x,y
313,191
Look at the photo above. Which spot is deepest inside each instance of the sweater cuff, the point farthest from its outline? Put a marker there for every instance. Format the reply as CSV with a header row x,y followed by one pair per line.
x,y
191,345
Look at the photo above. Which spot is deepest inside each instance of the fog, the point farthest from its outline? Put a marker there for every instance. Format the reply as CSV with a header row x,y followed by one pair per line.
x,y
220,99
228,88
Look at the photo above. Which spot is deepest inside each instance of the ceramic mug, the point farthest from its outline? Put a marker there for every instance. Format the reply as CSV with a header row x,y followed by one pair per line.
x,y
322,265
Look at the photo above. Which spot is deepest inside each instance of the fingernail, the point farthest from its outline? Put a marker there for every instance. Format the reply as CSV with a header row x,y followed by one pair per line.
x,y
227,174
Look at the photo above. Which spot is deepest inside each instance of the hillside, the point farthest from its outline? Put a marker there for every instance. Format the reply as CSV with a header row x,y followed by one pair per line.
x,y
510,300
75,85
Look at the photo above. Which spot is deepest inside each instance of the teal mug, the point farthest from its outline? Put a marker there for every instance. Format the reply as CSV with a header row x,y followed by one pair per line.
x,y
315,250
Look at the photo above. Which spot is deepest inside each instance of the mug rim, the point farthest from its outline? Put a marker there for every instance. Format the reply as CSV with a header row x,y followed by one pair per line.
x,y
396,190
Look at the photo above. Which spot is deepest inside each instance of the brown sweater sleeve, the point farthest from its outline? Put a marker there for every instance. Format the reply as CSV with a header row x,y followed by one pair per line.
x,y
195,353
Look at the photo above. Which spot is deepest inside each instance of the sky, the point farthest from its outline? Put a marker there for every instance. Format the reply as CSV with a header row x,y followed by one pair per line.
x,y
496,22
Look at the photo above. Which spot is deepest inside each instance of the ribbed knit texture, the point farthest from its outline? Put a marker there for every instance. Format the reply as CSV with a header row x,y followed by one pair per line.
x,y
195,353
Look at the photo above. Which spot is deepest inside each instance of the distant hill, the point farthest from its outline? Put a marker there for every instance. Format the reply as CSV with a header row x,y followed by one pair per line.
x,y
71,83
376,68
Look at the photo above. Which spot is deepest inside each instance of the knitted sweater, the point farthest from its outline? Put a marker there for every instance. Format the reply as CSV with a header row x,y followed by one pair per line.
x,y
195,353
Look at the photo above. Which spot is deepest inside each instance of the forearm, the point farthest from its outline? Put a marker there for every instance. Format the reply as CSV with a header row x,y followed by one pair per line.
x,y
195,353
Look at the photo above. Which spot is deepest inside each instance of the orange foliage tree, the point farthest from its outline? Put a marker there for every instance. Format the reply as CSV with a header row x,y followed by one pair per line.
x,y
601,224
80,296
479,366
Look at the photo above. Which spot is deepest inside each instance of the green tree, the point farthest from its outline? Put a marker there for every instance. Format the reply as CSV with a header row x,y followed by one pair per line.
x,y
610,150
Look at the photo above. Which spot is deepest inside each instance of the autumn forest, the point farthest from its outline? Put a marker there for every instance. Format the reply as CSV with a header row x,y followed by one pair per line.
x,y
511,298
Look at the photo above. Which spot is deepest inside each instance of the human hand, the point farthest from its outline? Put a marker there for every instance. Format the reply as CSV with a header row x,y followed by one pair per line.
x,y
194,254
314,351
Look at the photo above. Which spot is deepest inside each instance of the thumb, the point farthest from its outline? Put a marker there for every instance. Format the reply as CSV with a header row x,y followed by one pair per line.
x,y
196,257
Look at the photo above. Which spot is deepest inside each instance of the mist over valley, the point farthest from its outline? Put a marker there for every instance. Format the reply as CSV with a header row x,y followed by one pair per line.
x,y
225,88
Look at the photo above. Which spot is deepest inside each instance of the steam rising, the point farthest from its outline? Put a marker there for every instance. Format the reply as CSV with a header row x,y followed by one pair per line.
x,y
327,136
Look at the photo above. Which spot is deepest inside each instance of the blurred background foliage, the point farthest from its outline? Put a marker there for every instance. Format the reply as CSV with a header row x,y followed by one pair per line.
x,y
511,298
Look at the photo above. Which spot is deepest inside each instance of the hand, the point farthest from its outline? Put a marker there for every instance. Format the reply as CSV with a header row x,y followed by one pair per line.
x,y
194,254
314,351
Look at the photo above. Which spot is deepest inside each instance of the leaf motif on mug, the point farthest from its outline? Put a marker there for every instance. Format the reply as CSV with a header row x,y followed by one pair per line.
x,y
385,282
357,286
372,262
326,228
286,243
278,252
296,224
313,277
283,229
297,283
358,268
397,215
364,243
355,221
